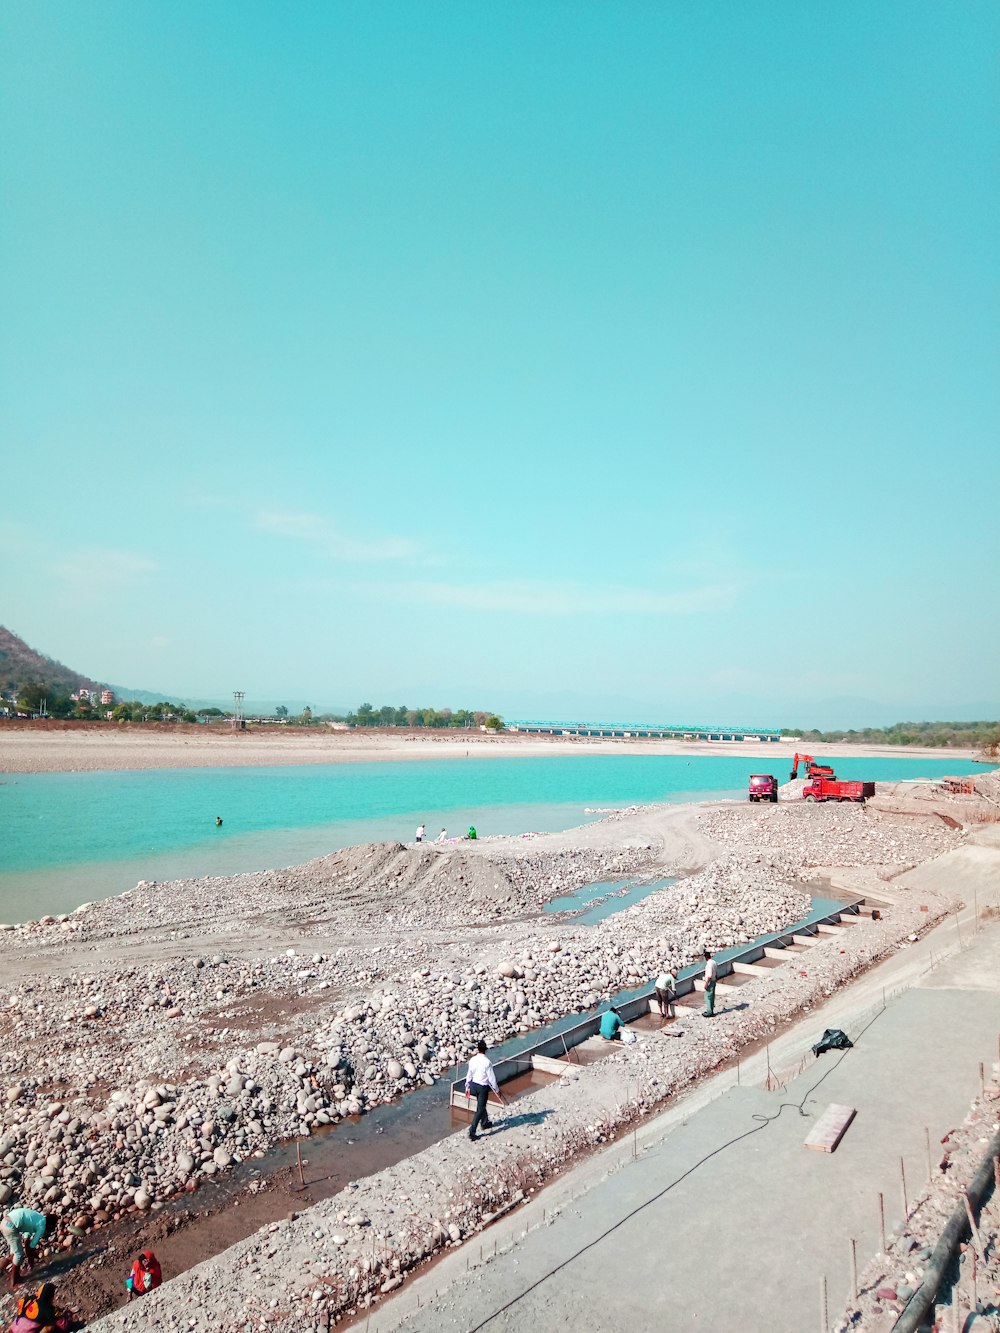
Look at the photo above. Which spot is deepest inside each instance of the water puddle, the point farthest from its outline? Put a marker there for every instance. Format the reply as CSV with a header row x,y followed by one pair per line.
x,y
596,902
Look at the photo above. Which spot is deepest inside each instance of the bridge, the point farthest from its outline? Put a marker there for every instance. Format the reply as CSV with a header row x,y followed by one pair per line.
x,y
645,730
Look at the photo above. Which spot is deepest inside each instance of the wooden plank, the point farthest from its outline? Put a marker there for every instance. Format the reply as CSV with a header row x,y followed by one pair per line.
x,y
547,1065
808,940
751,970
830,1128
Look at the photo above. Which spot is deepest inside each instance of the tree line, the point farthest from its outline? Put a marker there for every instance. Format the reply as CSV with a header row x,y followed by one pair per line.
x,y
35,699
390,716
943,735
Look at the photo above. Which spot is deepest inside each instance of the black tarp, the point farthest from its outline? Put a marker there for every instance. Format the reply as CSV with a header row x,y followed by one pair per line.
x,y
832,1040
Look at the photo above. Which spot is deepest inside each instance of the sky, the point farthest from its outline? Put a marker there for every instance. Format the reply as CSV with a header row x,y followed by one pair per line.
x,y
619,361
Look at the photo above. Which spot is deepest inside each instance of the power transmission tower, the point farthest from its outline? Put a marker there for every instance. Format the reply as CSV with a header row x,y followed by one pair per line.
x,y
238,697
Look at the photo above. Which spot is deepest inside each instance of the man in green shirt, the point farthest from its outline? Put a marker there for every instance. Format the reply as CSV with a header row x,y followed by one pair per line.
x,y
611,1024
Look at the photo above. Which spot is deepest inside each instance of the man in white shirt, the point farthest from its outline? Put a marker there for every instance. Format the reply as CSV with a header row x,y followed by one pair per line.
x,y
441,837
478,1082
666,992
711,977
422,828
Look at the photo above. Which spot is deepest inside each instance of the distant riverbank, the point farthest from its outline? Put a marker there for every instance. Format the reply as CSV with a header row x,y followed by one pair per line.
x,y
54,747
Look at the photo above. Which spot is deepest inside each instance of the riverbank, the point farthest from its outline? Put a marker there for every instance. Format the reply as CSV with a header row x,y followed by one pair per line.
x,y
159,1037
55,747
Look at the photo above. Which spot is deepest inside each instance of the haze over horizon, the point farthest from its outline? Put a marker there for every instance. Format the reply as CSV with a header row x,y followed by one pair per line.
x,y
610,361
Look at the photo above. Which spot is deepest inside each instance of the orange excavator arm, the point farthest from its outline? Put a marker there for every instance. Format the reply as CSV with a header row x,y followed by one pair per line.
x,y
813,770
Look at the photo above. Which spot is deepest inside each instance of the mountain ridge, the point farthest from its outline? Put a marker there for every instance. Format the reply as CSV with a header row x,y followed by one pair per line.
x,y
21,665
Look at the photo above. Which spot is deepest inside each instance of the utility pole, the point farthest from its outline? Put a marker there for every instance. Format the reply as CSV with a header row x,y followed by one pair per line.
x,y
238,697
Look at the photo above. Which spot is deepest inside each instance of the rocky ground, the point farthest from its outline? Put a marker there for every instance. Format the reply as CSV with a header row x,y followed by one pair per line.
x,y
157,1039
969,1301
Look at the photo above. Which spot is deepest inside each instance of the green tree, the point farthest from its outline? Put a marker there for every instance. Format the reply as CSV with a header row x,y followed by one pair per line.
x,y
494,723
31,696
281,711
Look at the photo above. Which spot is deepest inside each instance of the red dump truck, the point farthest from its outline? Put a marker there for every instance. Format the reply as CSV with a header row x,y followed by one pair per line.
x,y
763,787
829,789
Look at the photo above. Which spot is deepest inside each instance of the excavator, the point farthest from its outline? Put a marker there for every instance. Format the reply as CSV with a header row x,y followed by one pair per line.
x,y
813,770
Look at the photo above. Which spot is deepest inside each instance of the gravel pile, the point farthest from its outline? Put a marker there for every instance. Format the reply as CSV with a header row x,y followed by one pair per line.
x,y
830,834
93,1126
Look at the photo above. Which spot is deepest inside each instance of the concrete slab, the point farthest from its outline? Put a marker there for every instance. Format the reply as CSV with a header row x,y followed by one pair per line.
x,y
727,1222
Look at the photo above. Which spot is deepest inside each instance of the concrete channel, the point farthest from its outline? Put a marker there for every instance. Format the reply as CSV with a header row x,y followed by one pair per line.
x,y
566,1042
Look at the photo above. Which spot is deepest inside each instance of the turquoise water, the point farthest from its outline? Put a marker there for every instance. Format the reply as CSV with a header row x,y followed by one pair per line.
x,y
66,838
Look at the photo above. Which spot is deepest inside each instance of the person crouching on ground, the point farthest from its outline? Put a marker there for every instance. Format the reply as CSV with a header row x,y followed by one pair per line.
x,y
480,1079
145,1276
611,1024
39,1314
666,992
24,1230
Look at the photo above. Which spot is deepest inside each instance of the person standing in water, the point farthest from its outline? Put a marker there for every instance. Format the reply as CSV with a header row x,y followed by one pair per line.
x,y
666,992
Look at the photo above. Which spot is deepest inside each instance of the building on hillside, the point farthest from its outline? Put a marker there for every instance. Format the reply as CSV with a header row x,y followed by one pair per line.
x,y
107,696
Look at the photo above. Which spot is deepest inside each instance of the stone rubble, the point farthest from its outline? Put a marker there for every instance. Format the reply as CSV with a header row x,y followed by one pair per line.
x,y
890,1279
136,1062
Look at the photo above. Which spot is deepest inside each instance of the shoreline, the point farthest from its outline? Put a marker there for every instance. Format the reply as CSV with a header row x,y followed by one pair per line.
x,y
70,748
264,1005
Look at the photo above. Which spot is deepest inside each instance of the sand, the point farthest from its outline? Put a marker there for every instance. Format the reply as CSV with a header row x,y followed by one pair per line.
x,y
53,747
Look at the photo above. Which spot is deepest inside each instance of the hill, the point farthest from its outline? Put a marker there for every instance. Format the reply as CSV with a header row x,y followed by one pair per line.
x,y
21,665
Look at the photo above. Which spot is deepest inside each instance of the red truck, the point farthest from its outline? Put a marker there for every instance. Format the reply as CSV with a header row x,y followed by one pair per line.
x,y
829,789
763,787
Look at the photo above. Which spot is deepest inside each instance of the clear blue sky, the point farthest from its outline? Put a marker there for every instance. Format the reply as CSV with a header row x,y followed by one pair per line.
x,y
600,359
